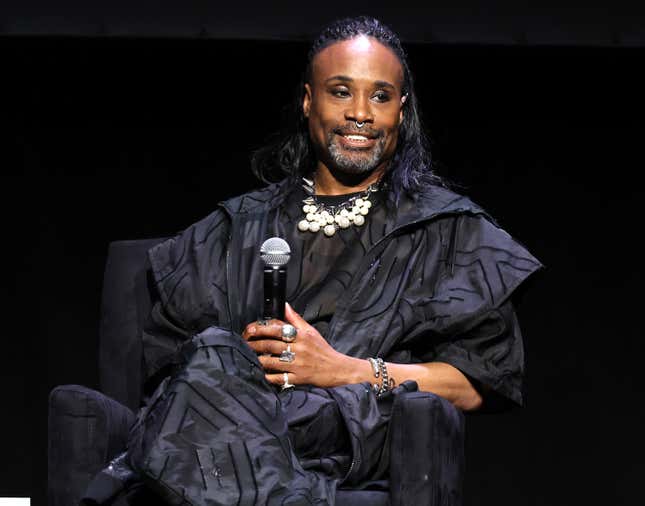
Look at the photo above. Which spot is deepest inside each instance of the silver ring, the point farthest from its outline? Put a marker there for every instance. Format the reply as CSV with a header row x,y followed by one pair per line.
x,y
286,385
263,322
287,355
359,124
289,333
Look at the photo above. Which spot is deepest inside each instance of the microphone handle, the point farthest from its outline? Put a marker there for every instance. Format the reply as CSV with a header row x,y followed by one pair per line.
x,y
275,287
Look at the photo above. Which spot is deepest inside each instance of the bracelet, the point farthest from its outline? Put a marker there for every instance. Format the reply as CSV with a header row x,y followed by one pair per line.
x,y
385,379
380,371
375,366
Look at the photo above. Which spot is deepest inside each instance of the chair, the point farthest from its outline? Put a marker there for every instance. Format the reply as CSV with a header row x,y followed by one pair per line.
x,y
87,428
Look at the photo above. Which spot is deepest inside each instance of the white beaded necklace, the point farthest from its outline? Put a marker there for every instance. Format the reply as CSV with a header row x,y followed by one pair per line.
x,y
330,218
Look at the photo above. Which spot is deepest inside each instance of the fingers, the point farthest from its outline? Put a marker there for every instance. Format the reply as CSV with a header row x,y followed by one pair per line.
x,y
270,363
269,346
269,329
273,328
278,379
293,317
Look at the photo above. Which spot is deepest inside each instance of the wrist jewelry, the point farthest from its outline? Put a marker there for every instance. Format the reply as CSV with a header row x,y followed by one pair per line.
x,y
375,366
380,371
331,218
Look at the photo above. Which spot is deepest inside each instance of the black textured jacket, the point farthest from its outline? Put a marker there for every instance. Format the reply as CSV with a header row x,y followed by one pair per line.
x,y
436,287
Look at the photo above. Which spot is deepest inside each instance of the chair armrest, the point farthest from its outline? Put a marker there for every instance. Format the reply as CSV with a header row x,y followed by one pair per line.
x,y
427,451
86,429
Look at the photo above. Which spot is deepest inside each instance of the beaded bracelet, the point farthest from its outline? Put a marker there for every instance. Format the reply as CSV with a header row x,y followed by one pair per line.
x,y
380,371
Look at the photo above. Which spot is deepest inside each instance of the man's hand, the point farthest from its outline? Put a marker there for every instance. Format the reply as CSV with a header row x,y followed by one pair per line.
x,y
315,361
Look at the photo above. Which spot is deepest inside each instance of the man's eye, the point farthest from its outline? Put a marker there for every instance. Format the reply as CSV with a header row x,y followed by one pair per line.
x,y
340,93
382,96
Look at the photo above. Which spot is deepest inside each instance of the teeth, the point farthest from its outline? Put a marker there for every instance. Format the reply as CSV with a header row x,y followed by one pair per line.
x,y
356,137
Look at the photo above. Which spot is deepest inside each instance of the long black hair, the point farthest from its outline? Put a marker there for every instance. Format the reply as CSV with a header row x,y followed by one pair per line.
x,y
290,152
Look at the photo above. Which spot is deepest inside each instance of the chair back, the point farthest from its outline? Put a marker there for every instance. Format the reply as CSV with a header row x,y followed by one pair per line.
x,y
125,303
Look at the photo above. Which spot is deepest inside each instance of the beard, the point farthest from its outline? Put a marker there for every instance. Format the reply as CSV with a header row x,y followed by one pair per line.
x,y
354,161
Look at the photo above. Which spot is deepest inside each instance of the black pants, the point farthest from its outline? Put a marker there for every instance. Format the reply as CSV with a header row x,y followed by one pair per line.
x,y
218,433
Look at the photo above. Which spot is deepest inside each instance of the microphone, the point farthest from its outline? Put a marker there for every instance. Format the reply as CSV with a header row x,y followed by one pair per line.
x,y
275,253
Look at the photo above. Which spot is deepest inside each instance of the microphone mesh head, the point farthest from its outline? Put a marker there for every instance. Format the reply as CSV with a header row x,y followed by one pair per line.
x,y
275,252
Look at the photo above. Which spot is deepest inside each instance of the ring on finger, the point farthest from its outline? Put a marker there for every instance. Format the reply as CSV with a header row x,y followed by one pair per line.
x,y
287,355
289,333
286,385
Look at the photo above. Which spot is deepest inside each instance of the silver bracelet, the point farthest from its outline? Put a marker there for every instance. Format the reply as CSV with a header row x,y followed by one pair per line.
x,y
385,379
380,371
375,366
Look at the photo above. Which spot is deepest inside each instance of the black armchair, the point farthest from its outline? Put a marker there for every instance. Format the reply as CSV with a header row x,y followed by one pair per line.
x,y
87,428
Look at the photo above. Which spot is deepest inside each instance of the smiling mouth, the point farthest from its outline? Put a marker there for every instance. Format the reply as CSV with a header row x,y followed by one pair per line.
x,y
357,140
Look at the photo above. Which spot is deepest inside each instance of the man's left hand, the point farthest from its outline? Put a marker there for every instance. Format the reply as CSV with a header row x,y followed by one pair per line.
x,y
315,362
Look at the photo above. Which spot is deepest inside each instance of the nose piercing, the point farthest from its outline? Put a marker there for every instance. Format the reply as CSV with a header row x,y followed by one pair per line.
x,y
360,124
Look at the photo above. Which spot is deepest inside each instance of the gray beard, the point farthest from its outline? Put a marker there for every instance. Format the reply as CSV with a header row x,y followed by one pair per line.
x,y
354,161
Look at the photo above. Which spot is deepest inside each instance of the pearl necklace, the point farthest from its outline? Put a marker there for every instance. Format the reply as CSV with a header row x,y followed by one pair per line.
x,y
331,218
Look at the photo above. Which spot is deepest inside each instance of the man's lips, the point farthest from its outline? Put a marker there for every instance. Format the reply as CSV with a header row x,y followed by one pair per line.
x,y
357,139
364,132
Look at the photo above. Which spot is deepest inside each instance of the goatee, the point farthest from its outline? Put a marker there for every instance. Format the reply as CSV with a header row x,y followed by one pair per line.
x,y
354,160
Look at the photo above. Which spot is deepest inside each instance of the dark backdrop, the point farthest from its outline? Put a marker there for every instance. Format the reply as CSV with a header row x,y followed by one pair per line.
x,y
618,23
128,138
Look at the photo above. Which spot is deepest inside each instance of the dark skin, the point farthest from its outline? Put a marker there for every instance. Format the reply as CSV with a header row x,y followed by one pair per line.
x,y
354,80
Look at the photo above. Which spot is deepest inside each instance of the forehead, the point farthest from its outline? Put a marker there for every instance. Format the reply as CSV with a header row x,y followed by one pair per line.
x,y
361,58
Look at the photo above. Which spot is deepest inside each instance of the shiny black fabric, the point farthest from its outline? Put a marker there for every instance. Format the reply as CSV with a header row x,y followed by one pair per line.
x,y
218,433
321,267
435,286
431,280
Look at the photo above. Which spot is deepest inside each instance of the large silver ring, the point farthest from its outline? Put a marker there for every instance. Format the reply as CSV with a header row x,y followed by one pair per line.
x,y
286,385
287,355
289,333
359,124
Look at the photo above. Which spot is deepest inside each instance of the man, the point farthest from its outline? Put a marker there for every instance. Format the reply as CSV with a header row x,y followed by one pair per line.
x,y
394,282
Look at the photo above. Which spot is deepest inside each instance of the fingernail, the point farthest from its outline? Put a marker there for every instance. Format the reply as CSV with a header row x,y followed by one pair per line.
x,y
252,330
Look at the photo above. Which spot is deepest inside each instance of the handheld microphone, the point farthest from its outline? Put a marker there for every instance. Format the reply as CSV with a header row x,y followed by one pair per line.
x,y
275,253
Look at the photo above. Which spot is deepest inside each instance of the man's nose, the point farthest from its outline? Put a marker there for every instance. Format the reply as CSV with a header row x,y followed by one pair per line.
x,y
360,110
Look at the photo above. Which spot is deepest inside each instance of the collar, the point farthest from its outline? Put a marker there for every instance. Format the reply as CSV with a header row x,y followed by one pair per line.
x,y
436,201
259,201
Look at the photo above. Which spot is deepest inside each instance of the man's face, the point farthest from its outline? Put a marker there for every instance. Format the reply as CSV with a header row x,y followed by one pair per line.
x,y
356,80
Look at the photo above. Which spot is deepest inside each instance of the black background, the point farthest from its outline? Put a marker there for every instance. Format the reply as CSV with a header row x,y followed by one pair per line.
x,y
123,138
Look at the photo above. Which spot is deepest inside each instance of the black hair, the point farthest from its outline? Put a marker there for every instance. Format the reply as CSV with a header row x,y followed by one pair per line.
x,y
290,152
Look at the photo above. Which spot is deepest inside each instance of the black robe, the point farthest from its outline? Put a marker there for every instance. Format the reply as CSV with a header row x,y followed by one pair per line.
x,y
434,283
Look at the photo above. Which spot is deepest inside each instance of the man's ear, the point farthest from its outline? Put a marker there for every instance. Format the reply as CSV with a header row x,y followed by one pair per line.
x,y
403,100
306,101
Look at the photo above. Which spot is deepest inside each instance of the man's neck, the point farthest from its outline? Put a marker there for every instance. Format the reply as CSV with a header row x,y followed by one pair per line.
x,y
330,183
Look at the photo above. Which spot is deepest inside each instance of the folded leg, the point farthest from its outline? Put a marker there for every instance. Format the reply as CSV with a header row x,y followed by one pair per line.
x,y
215,434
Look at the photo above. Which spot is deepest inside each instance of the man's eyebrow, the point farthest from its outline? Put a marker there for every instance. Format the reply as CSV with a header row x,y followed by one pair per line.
x,y
384,84
347,79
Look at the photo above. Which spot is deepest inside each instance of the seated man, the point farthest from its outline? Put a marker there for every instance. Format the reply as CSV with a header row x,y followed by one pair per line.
x,y
395,283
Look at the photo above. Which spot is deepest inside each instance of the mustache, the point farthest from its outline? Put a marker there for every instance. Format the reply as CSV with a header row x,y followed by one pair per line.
x,y
372,133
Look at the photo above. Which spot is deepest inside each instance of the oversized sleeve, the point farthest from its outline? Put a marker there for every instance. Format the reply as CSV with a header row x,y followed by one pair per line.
x,y
189,272
187,289
470,318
